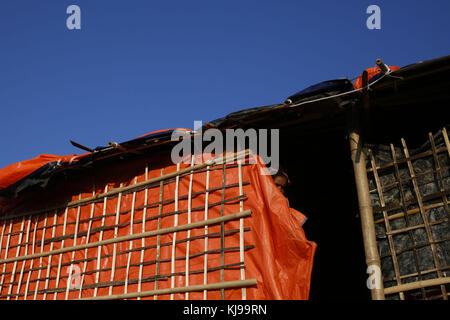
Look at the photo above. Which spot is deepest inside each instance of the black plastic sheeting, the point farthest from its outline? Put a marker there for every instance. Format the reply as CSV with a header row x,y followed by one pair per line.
x,y
338,85
429,187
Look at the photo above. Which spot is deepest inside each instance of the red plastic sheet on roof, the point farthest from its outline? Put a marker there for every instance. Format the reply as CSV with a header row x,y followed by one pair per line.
x,y
278,254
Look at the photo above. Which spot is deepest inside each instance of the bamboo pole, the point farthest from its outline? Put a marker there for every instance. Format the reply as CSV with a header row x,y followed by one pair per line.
x,y
31,264
87,241
158,238
447,141
241,230
116,234
60,255
412,211
99,248
133,203
205,261
75,233
26,252
40,259
6,254
212,286
222,229
387,224
144,214
17,254
49,263
417,285
415,274
189,214
1,237
362,185
175,225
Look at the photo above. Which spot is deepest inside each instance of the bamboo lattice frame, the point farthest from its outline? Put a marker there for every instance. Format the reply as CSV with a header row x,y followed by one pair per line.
x,y
38,255
407,227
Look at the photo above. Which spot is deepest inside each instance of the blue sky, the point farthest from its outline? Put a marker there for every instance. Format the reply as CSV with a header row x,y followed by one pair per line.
x,y
138,66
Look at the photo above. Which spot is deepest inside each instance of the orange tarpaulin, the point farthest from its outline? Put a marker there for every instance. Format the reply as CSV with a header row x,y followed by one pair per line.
x,y
371,72
277,253
16,171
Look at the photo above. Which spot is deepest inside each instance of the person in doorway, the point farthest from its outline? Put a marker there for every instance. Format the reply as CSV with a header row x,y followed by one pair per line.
x,y
281,180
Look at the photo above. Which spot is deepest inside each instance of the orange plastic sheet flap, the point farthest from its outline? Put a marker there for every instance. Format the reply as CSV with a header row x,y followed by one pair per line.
x,y
16,171
371,72
269,246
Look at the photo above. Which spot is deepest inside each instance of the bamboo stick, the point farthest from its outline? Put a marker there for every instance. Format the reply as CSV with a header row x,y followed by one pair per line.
x,y
1,237
189,231
60,255
222,229
241,230
418,175
144,214
418,226
55,218
40,259
428,197
6,254
415,274
205,261
412,211
158,237
446,140
417,285
31,264
26,252
387,224
99,249
116,229
17,254
80,293
175,224
133,202
365,207
69,280
212,286
153,233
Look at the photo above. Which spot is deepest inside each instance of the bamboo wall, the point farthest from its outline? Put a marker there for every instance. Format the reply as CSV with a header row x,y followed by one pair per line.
x,y
410,191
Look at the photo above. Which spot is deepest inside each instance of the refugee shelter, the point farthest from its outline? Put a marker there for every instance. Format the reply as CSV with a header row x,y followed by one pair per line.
x,y
367,217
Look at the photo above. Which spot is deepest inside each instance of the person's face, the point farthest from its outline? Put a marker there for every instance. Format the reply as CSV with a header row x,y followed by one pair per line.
x,y
281,183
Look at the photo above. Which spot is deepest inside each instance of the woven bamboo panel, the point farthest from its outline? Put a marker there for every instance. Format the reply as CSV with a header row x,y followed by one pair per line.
x,y
410,193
